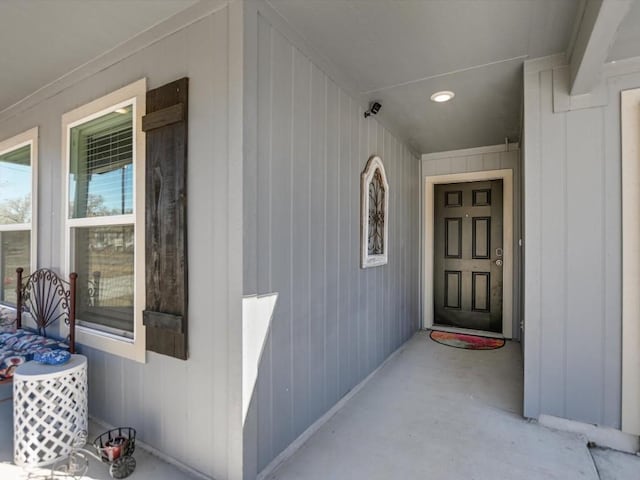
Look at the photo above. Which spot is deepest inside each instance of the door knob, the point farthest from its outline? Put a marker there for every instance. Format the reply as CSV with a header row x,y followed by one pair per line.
x,y
499,262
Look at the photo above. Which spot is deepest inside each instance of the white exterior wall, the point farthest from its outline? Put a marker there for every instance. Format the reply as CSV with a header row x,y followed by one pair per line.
x,y
334,323
188,410
573,235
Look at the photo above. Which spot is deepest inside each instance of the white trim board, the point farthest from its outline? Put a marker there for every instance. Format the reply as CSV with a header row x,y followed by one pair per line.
x,y
630,127
30,137
621,67
467,152
601,436
133,94
236,78
506,175
540,64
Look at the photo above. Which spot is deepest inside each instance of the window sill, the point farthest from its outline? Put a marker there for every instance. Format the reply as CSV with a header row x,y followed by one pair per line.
x,y
132,349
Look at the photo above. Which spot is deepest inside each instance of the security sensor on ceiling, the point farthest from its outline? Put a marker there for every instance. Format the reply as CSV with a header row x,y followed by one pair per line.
x,y
374,108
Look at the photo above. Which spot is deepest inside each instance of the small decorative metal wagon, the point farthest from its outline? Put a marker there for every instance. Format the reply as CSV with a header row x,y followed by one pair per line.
x,y
114,447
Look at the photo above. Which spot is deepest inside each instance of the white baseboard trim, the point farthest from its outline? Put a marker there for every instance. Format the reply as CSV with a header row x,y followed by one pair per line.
x,y
317,425
601,436
157,453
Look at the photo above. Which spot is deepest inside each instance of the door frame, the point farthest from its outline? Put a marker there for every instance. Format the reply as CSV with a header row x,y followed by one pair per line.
x,y
506,175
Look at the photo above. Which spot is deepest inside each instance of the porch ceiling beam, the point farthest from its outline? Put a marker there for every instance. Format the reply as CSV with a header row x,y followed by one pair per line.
x,y
596,32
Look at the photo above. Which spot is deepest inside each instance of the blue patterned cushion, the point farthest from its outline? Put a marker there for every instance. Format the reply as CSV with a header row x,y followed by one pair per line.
x,y
20,347
29,341
52,357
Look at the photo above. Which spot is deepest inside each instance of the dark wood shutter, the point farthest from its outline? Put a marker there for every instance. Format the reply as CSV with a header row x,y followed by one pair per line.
x,y
166,130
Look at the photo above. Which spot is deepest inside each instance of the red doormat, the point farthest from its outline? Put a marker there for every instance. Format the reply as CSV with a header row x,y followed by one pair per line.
x,y
470,342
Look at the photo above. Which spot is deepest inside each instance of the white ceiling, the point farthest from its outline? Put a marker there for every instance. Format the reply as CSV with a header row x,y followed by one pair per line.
x,y
41,40
400,52
396,51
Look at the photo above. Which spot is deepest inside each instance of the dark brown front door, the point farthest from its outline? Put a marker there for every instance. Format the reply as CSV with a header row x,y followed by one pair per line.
x,y
468,255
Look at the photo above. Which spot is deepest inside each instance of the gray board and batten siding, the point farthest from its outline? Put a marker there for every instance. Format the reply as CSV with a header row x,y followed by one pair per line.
x,y
334,322
573,240
180,408
479,160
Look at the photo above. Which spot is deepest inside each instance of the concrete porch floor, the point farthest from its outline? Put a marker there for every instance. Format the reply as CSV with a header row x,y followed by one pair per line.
x,y
149,467
431,412
436,412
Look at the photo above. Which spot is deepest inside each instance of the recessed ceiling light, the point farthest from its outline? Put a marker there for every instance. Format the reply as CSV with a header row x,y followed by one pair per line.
x,y
122,110
443,96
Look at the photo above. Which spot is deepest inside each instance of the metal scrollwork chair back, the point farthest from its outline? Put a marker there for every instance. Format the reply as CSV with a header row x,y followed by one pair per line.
x,y
47,298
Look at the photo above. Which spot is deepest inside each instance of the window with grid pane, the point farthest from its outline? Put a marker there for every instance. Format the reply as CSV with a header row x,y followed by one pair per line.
x,y
16,204
101,222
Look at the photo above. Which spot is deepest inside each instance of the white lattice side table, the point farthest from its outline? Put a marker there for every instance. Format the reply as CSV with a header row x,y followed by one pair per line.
x,y
49,408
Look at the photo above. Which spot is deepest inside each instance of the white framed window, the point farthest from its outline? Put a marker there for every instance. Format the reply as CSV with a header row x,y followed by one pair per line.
x,y
104,204
18,210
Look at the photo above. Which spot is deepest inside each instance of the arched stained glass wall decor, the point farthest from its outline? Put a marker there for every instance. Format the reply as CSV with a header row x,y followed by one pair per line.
x,y
375,207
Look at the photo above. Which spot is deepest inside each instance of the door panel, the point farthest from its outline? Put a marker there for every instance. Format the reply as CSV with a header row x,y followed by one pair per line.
x,y
468,255
452,289
453,236
480,291
481,237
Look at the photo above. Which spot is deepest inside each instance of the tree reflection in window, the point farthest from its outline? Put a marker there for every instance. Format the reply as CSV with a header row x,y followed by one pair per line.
x,y
376,215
